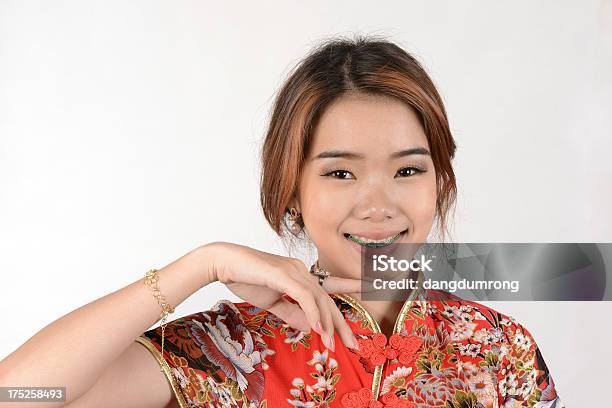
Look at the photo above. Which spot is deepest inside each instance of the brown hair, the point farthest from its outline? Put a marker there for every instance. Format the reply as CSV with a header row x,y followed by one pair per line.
x,y
337,66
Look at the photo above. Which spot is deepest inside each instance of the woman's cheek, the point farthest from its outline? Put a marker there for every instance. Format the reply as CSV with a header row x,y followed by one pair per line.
x,y
420,207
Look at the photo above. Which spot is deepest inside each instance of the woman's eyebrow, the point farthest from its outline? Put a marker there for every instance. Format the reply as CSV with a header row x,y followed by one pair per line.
x,y
330,154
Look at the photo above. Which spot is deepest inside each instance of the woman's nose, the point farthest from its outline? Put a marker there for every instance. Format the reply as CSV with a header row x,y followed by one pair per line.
x,y
377,213
376,204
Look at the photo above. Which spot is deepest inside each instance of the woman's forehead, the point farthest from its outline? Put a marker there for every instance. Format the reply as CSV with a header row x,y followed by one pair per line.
x,y
368,126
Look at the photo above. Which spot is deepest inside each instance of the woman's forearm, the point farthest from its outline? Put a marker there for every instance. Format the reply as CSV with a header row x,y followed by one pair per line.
x,y
74,350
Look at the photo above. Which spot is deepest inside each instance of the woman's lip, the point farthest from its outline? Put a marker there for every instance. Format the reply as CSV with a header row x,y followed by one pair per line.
x,y
387,249
355,246
375,235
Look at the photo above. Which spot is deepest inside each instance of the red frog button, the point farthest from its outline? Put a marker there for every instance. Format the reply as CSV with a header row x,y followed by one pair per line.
x,y
377,351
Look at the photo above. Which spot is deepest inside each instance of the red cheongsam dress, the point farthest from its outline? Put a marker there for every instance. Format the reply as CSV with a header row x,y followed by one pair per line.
x,y
444,352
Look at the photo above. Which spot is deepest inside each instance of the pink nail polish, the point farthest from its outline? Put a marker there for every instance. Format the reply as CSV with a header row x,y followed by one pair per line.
x,y
318,327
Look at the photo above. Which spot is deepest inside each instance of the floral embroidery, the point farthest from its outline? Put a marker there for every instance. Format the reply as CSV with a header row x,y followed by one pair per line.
x,y
395,379
236,359
363,399
448,353
267,324
322,392
400,347
214,358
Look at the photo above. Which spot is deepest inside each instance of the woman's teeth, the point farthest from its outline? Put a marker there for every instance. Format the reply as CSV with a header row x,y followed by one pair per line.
x,y
373,243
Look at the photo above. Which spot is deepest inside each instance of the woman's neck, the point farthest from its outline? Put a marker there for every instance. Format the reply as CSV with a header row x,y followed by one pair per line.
x,y
385,312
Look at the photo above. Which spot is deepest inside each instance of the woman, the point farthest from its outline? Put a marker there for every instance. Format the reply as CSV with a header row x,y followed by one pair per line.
x,y
358,153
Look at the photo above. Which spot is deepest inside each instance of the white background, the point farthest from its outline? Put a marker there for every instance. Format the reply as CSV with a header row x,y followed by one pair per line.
x,y
130,133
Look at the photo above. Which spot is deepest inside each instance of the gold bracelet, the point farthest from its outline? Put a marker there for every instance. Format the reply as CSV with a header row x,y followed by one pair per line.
x,y
151,279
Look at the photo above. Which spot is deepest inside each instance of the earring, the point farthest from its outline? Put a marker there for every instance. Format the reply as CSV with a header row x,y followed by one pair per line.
x,y
295,216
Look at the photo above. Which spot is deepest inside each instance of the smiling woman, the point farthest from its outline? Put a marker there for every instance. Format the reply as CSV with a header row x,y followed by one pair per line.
x,y
355,96
381,187
359,146
357,154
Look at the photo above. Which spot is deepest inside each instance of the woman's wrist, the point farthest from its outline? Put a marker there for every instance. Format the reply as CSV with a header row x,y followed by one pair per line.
x,y
206,257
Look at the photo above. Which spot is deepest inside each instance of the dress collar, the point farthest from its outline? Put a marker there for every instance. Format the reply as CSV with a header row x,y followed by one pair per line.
x,y
365,326
416,298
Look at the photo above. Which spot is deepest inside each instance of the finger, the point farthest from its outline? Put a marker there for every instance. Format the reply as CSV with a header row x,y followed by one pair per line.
x,y
323,301
339,322
291,314
335,284
344,330
278,278
355,295
301,292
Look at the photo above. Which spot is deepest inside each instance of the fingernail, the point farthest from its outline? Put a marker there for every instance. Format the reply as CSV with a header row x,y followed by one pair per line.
x,y
355,343
332,346
318,327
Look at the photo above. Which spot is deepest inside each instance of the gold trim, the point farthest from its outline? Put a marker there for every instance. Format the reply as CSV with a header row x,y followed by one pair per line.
x,y
166,369
375,328
399,321
407,304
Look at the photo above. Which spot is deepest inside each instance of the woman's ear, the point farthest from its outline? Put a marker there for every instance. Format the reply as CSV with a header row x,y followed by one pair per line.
x,y
294,203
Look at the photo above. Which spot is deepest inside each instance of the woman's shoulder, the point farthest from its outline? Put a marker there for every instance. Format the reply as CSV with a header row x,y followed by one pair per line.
x,y
444,305
212,354
483,335
228,318
476,323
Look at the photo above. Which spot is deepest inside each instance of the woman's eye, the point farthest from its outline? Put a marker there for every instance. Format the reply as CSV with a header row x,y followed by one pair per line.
x,y
346,175
409,171
340,174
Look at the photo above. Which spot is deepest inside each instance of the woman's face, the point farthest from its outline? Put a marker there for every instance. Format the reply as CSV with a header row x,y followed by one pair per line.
x,y
363,177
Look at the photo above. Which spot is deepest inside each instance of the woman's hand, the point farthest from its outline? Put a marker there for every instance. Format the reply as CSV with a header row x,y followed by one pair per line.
x,y
262,279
